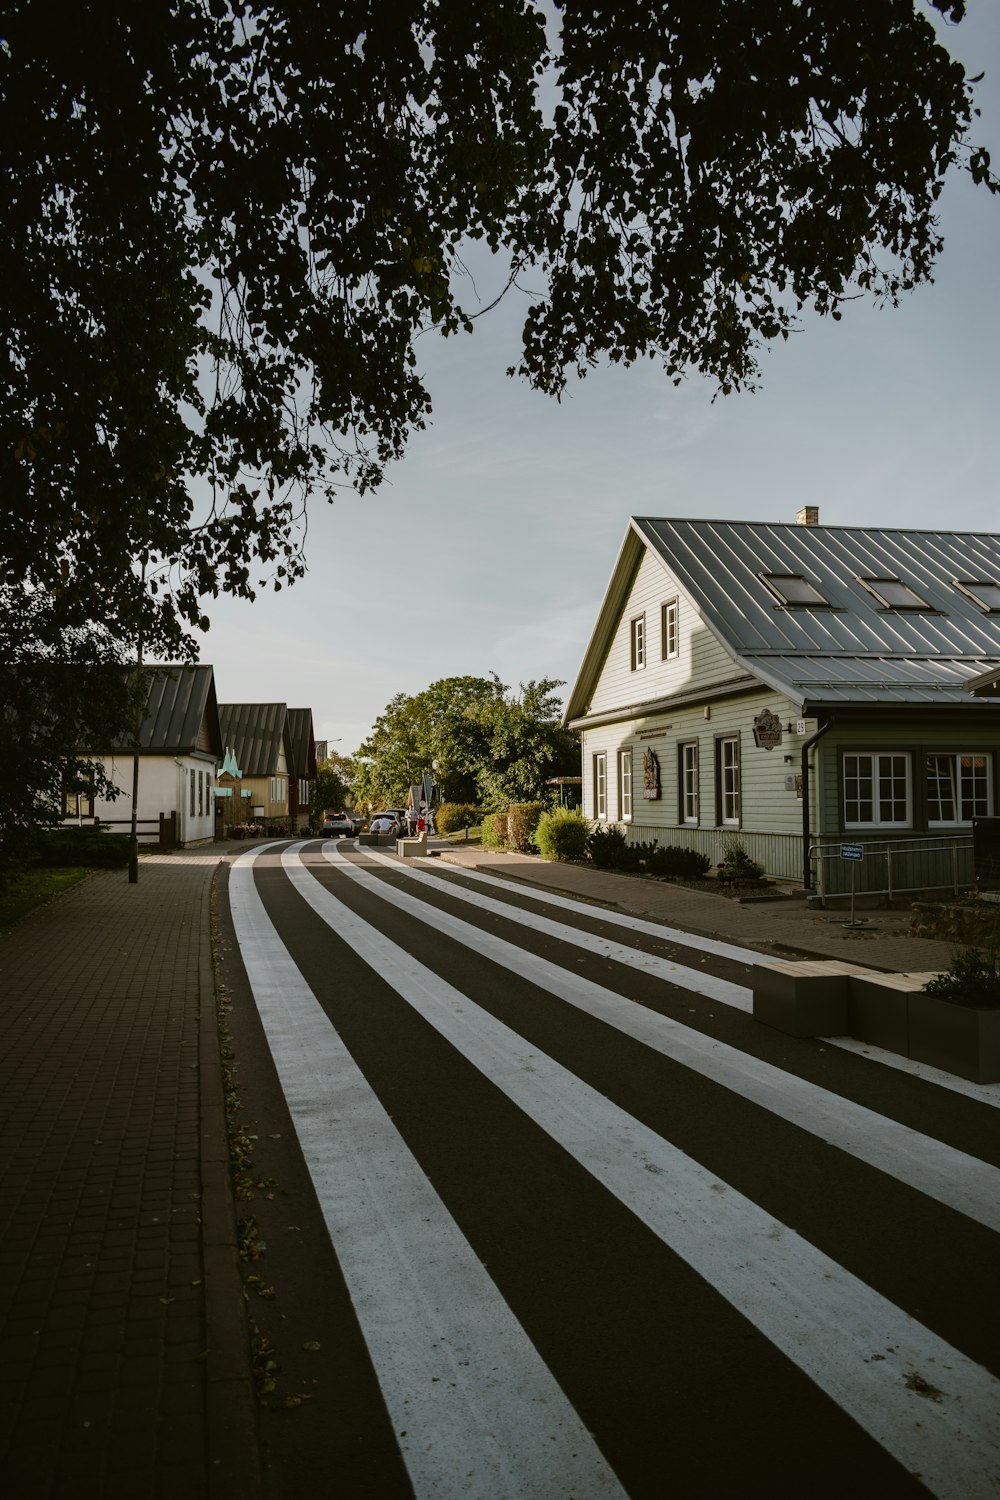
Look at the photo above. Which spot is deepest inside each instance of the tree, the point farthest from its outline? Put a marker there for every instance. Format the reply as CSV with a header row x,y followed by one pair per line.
x,y
489,746
328,792
227,222
64,691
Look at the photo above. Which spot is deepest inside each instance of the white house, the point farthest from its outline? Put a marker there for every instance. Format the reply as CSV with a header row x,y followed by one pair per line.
x,y
796,686
180,747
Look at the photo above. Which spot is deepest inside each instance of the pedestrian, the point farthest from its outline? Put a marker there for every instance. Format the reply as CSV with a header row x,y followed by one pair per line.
x,y
412,820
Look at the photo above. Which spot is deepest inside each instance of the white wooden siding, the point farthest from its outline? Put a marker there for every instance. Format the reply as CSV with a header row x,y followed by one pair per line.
x,y
768,804
700,660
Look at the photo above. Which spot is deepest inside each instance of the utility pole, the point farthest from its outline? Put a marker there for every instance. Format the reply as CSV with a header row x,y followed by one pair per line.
x,y
133,843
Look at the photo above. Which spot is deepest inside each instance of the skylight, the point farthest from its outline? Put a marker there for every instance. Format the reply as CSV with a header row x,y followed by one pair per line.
x,y
893,593
983,592
792,588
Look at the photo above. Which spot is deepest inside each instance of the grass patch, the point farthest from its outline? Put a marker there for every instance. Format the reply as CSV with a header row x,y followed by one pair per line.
x,y
23,892
463,836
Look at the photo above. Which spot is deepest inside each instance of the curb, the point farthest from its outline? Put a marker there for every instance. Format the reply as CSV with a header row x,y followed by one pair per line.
x,y
231,1407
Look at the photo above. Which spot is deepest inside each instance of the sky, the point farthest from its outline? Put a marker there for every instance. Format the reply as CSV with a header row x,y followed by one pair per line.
x,y
489,546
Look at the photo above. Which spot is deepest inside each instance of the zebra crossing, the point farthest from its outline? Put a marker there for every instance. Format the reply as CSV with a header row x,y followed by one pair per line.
x,y
738,1179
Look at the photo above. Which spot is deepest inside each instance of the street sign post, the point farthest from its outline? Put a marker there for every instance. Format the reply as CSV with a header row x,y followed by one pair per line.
x,y
853,853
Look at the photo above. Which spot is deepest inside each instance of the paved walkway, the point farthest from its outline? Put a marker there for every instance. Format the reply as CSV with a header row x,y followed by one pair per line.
x,y
123,1353
123,1357
788,922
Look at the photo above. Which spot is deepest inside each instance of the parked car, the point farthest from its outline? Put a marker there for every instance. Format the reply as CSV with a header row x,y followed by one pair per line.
x,y
338,826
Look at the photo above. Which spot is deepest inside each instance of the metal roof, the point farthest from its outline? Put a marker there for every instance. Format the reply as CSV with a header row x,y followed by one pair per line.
x,y
257,732
850,649
181,700
303,744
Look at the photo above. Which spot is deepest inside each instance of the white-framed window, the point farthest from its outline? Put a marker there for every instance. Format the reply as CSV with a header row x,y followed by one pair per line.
x,y
638,630
625,786
669,638
78,804
959,787
279,788
727,780
687,757
601,786
303,793
877,789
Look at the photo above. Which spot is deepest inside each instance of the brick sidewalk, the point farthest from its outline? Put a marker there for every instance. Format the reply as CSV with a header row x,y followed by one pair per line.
x,y
882,941
123,1361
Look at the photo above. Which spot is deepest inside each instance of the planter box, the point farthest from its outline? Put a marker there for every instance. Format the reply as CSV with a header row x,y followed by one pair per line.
x,y
960,1039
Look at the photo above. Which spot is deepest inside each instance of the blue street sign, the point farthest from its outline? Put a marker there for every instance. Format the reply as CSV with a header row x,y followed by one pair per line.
x,y
852,851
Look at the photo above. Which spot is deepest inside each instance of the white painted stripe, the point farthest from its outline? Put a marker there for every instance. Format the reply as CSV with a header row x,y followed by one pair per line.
x,y
722,990
868,1355
742,998
616,919
475,1409
983,1093
952,1177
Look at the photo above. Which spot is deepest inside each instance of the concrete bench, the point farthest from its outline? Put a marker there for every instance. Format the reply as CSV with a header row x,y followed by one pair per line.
x,y
805,997
880,1008
412,848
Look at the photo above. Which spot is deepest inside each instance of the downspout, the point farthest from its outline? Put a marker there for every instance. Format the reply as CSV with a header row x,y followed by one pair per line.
x,y
806,866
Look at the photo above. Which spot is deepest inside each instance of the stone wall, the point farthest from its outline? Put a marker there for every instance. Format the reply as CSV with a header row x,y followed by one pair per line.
x,y
973,922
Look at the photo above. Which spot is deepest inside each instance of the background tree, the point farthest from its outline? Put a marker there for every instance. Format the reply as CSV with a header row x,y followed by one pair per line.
x,y
328,792
64,692
491,746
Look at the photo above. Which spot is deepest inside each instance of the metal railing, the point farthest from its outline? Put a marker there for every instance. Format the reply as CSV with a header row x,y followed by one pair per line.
x,y
950,858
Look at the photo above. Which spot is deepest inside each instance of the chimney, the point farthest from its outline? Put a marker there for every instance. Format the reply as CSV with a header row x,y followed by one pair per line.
x,y
807,516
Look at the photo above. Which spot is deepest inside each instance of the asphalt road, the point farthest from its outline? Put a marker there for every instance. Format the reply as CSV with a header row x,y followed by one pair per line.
x,y
548,1214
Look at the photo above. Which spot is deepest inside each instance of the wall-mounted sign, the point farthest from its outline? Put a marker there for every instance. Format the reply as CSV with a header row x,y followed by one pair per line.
x,y
650,776
651,734
767,730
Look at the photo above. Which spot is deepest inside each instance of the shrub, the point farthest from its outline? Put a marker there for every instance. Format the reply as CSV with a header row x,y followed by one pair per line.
x,y
972,978
522,820
561,833
606,847
738,866
82,848
452,817
674,860
494,831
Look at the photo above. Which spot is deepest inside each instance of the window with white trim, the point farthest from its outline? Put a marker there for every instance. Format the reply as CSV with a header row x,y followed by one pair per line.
x,y
638,642
687,757
625,786
669,638
279,788
877,789
78,804
601,786
191,792
727,780
958,788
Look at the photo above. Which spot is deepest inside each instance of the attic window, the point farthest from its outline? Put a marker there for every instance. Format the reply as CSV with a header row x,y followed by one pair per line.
x,y
983,592
892,593
792,588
